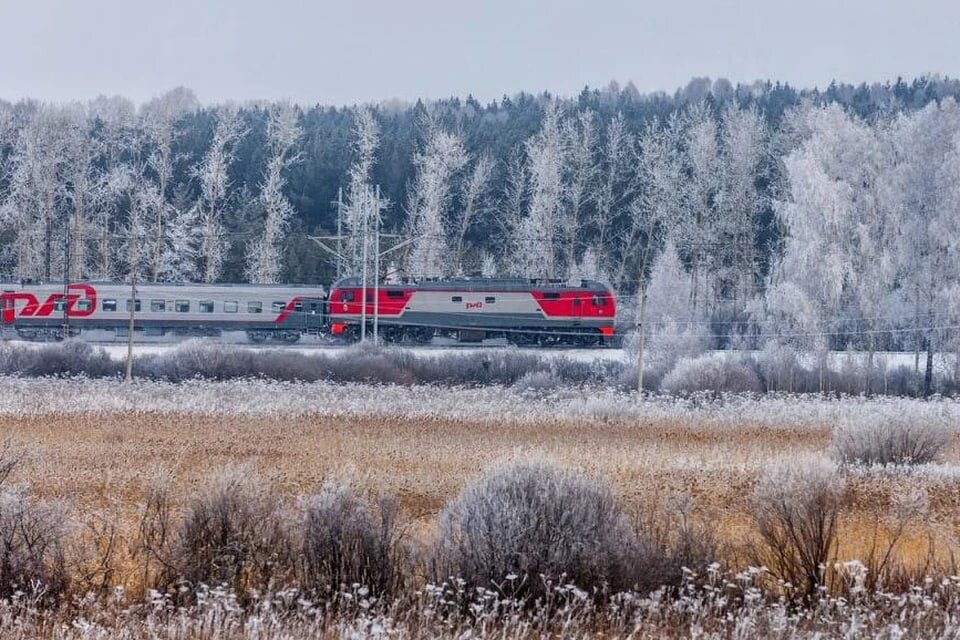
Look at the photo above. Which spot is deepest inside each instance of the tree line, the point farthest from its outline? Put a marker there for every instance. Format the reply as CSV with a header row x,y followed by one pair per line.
x,y
746,213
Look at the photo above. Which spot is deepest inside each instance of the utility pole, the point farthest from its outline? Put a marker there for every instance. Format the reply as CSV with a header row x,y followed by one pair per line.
x,y
640,335
363,269
339,232
66,278
133,311
376,274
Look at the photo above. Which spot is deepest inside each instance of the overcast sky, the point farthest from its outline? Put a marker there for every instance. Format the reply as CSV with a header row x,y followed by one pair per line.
x,y
350,51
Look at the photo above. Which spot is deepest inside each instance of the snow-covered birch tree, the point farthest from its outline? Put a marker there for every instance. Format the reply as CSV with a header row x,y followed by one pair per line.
x,y
926,182
213,174
159,118
474,206
535,236
361,195
579,194
265,261
437,166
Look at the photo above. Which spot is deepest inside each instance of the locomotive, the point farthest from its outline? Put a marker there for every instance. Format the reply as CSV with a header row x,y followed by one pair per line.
x,y
519,311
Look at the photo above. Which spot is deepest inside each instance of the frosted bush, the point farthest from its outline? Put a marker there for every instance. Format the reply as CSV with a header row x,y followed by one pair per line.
x,y
345,541
711,373
892,439
232,533
526,524
795,506
32,540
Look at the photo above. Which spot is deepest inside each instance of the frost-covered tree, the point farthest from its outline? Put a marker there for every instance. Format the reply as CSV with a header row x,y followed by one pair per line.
x,y
184,240
926,187
580,178
265,261
474,199
657,206
361,195
437,166
839,232
213,175
617,182
743,156
535,234
33,205
668,289
159,117
84,191
696,232
119,147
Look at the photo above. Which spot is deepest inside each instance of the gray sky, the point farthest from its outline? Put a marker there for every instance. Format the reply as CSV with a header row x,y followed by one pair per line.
x,y
351,51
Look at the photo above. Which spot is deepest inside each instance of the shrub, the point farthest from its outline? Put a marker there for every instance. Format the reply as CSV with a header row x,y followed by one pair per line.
x,y
69,358
232,534
32,535
892,439
345,542
197,359
795,506
526,524
711,373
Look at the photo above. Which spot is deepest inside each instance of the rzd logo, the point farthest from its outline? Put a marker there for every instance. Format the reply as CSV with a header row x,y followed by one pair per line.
x,y
33,308
474,305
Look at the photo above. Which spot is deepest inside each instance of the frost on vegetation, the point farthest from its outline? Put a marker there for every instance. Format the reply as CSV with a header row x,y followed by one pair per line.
x,y
32,396
528,525
885,438
345,540
795,506
711,373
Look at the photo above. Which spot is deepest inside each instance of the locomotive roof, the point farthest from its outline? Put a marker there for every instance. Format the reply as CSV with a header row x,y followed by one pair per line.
x,y
484,284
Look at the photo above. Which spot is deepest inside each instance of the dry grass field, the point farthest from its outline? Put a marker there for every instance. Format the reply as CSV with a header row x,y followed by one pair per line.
x,y
96,459
98,446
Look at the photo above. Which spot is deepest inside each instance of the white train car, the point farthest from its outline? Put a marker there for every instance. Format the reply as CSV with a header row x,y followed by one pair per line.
x,y
48,311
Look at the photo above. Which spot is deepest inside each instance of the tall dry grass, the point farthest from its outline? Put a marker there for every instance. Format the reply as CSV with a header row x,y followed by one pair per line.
x,y
285,543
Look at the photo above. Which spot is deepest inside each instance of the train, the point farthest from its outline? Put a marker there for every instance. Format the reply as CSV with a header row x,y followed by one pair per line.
x,y
526,312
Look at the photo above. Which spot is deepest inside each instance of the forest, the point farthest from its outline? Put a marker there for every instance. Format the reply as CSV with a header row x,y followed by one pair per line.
x,y
744,214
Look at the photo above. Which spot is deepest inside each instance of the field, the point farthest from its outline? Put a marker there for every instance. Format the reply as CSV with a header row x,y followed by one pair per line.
x,y
98,446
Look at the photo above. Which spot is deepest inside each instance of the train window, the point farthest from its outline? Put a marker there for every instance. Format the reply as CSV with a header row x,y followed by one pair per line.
x,y
278,306
456,299
599,301
135,306
158,305
109,305
551,296
298,307
395,294
347,296
206,306
255,307
490,300
576,302
230,306
60,305
181,306
84,305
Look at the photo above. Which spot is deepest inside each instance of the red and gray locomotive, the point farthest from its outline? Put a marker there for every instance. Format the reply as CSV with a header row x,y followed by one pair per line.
x,y
519,311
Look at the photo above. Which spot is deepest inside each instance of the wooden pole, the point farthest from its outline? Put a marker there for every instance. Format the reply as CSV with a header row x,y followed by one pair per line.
x,y
640,335
133,311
